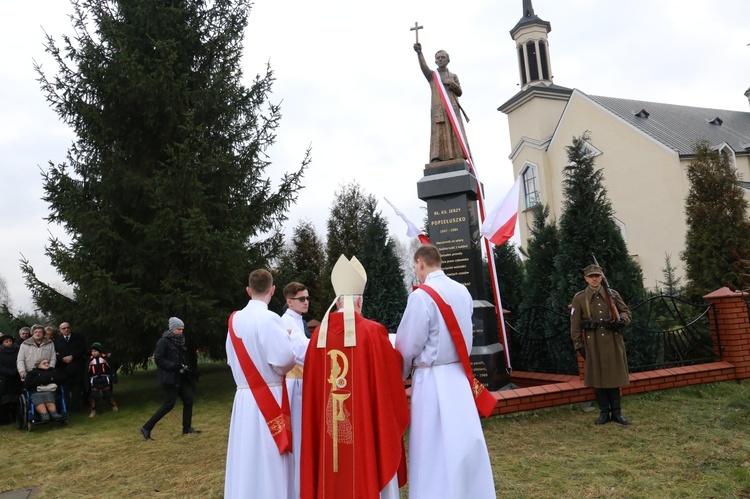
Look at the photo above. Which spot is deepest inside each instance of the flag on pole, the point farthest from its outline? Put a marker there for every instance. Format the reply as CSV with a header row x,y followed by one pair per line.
x,y
500,224
480,201
411,229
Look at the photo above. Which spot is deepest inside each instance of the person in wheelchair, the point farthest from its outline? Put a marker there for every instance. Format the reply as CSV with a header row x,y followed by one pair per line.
x,y
101,375
42,388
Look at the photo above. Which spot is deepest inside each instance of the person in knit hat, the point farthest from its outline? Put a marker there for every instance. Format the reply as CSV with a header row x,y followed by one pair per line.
x,y
174,376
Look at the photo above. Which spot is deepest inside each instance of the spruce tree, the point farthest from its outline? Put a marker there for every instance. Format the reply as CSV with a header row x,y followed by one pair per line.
x,y
586,228
544,342
509,270
717,223
671,285
164,194
344,229
385,294
303,260
357,228
539,267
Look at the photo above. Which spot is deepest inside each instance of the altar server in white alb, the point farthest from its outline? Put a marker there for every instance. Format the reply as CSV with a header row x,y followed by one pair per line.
x,y
260,353
298,301
448,455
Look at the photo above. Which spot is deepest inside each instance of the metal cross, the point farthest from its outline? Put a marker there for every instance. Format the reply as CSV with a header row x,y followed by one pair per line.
x,y
416,29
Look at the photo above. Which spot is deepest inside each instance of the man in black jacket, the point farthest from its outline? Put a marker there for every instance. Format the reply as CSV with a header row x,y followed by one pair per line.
x,y
70,349
174,377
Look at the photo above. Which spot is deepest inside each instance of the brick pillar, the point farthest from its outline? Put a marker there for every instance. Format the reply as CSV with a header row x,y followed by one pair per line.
x,y
730,314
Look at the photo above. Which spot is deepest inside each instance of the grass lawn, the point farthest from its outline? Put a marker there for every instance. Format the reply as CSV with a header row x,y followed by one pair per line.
x,y
689,442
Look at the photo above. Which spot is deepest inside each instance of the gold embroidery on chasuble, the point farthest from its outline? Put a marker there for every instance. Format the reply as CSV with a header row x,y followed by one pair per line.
x,y
338,421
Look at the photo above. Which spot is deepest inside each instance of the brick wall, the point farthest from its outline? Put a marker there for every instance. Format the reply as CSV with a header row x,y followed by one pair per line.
x,y
729,324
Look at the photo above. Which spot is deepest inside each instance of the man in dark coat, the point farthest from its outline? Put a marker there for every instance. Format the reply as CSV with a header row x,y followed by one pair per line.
x,y
174,376
597,336
70,350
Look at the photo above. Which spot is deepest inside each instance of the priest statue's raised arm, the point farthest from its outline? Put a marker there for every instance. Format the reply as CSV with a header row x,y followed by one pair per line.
x,y
444,144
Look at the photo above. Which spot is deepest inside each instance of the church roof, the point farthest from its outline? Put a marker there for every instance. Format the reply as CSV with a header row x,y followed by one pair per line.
x,y
529,18
680,127
549,91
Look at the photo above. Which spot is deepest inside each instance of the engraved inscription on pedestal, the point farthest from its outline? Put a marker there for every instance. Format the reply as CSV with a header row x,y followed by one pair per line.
x,y
450,222
450,191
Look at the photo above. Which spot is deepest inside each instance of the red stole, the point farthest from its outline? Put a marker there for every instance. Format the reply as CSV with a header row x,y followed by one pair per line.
x,y
277,418
483,399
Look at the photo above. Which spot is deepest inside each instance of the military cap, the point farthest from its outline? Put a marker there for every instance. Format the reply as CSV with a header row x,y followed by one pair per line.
x,y
592,270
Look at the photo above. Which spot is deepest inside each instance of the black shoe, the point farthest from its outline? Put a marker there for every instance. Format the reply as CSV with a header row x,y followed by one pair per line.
x,y
603,418
146,433
190,431
618,418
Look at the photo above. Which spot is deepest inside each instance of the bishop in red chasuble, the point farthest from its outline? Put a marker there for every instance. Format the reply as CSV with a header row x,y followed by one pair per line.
x,y
354,407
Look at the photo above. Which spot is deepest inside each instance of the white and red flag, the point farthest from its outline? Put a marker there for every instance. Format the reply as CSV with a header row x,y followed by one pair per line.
x,y
500,224
411,229
480,201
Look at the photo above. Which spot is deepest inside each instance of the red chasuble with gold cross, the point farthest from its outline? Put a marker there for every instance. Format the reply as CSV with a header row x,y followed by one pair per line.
x,y
354,414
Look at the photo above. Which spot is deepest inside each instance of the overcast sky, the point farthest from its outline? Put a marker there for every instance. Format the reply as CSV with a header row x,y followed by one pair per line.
x,y
351,88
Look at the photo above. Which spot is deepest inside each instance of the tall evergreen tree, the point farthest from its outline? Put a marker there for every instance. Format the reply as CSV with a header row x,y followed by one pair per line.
x,y
509,270
545,343
357,228
539,267
304,261
385,294
164,193
587,227
671,285
717,222
344,229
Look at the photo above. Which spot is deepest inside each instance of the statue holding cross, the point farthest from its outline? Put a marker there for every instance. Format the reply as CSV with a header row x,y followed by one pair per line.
x,y
444,145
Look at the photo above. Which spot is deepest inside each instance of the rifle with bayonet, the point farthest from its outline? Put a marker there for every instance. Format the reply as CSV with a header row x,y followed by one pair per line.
x,y
616,322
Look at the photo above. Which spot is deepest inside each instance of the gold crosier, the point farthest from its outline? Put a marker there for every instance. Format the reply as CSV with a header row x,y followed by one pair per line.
x,y
337,379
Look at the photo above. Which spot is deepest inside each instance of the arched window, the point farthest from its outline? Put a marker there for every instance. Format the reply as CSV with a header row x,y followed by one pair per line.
x,y
728,153
621,227
531,193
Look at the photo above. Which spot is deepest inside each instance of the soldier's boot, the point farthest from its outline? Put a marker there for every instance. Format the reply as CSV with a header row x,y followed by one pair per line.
x,y
615,401
602,399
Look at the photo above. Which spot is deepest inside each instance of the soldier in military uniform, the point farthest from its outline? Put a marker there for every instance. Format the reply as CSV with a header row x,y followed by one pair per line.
x,y
597,337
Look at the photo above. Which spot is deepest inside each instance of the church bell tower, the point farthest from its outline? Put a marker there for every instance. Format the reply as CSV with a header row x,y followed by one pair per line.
x,y
532,48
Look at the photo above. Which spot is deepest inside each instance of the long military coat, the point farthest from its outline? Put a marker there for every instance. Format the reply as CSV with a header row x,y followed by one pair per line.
x,y
606,364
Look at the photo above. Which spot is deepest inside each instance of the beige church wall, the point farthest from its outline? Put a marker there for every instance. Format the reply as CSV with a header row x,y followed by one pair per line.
x,y
645,183
535,119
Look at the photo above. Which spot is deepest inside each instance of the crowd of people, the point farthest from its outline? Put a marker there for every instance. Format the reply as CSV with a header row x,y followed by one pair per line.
x,y
50,363
324,414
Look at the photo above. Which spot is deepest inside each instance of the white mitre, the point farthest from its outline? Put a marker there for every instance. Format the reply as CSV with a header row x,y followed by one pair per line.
x,y
349,279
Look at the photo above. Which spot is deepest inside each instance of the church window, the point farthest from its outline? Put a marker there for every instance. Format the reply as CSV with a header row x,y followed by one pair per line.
x,y
531,187
621,228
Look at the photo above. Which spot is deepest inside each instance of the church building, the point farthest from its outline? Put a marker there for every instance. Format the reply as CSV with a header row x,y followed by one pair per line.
x,y
643,148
